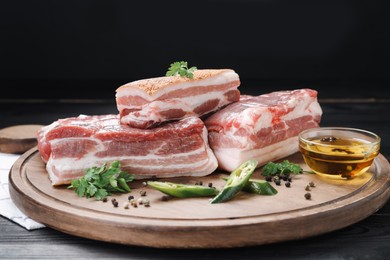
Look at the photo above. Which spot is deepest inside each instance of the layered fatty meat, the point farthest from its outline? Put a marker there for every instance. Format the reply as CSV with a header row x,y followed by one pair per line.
x,y
149,102
70,146
264,128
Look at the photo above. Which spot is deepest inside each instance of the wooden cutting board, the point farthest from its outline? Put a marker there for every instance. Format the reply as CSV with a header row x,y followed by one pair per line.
x,y
246,220
19,138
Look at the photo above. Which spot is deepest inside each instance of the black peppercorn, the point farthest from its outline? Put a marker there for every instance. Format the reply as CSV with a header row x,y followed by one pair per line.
x,y
131,197
308,195
268,178
328,139
288,184
277,181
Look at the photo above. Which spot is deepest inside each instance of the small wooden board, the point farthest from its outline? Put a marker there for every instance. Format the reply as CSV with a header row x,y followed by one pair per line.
x,y
19,138
246,220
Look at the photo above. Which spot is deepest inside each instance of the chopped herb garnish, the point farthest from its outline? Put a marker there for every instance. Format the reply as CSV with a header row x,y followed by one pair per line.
x,y
285,167
181,68
100,182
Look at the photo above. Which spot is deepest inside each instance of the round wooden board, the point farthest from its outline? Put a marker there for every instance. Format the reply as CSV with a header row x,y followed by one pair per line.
x,y
246,220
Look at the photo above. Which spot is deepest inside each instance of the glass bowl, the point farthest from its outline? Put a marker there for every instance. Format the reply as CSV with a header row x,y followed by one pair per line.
x,y
338,152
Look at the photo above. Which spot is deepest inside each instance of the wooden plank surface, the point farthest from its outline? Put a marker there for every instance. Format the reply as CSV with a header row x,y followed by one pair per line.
x,y
195,223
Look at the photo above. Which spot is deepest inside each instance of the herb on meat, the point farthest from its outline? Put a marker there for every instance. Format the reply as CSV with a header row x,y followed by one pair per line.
x,y
100,182
181,68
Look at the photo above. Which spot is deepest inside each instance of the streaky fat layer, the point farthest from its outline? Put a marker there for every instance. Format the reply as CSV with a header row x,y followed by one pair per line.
x,y
229,158
72,168
163,85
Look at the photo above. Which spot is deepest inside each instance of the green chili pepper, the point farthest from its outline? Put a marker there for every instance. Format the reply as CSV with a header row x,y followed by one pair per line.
x,y
122,183
236,181
183,190
260,187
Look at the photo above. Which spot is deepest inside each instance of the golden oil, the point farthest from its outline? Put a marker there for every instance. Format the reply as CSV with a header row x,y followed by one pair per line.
x,y
338,157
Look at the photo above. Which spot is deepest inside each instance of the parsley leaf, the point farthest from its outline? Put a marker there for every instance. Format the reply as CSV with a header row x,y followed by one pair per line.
x,y
272,169
181,68
100,182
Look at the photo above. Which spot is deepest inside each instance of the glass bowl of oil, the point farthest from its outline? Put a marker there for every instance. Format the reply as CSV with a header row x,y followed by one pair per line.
x,y
339,152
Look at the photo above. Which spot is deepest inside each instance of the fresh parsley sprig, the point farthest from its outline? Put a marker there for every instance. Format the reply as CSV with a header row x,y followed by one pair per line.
x,y
181,68
100,182
285,167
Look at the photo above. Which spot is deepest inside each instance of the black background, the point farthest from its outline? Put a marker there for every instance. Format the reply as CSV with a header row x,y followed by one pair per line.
x,y
86,49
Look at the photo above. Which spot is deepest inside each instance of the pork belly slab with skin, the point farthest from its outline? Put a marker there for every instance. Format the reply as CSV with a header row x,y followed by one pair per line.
x,y
69,146
150,102
264,127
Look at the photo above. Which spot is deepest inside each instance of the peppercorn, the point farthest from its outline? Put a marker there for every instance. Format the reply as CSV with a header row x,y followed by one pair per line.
x,y
142,192
210,184
165,198
328,139
131,197
268,178
146,203
114,202
312,184
289,179
307,188
104,199
140,201
277,182
285,177
133,203
308,195
288,184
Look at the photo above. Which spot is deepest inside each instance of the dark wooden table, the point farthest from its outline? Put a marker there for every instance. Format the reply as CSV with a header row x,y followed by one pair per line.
x,y
367,239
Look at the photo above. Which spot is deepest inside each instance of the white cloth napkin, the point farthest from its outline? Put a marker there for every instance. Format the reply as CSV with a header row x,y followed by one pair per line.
x,y
7,207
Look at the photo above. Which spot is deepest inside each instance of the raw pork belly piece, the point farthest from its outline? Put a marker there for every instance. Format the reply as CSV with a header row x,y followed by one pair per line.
x,y
69,146
150,102
264,128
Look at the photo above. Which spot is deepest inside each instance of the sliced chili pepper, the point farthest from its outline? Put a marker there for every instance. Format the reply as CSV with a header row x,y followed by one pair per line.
x,y
236,181
260,187
183,190
122,183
